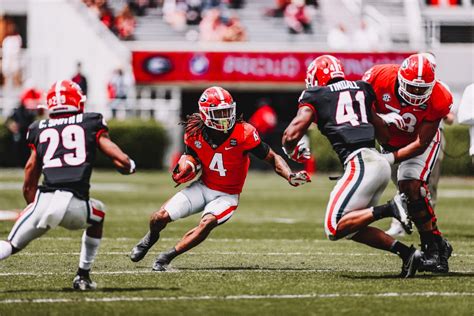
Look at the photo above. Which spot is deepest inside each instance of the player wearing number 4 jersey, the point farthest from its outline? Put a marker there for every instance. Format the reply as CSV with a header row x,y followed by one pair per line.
x,y
64,149
220,144
342,111
412,103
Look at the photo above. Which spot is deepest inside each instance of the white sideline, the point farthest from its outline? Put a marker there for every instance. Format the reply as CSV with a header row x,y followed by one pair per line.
x,y
232,297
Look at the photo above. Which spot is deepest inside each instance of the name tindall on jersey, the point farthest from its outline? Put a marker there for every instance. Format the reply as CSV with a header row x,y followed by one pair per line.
x,y
342,85
61,121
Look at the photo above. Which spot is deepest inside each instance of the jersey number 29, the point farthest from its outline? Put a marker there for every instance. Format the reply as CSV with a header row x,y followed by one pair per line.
x,y
72,137
345,109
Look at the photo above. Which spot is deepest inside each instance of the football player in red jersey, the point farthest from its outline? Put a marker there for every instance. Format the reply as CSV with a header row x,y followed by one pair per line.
x,y
342,111
412,103
221,143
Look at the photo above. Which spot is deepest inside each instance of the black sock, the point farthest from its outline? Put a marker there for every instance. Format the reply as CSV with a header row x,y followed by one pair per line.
x,y
151,238
402,250
170,254
427,239
382,211
83,273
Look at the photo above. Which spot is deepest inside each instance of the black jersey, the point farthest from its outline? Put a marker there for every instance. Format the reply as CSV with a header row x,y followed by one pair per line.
x,y
66,150
342,112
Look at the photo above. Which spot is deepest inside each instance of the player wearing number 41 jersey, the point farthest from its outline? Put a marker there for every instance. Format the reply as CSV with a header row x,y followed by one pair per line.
x,y
343,112
63,149
412,103
219,144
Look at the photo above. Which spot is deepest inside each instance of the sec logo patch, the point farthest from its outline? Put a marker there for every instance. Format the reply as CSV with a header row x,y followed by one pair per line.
x,y
198,144
386,97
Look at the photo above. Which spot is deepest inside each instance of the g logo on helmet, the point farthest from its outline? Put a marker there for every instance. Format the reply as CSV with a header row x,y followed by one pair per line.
x,y
203,97
404,64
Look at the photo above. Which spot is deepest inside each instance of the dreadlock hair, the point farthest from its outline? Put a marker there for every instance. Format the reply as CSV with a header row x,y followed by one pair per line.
x,y
193,125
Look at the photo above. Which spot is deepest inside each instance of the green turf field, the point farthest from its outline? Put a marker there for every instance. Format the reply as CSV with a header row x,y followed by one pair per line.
x,y
271,258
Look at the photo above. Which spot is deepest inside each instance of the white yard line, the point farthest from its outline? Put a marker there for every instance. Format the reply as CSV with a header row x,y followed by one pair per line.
x,y
236,297
210,270
78,238
233,253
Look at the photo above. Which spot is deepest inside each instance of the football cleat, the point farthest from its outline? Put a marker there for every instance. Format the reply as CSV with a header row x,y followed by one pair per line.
x,y
430,260
399,206
83,283
141,249
161,263
445,251
411,264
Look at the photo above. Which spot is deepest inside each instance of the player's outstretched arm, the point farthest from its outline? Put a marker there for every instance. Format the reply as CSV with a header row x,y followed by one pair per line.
x,y
32,175
297,128
281,168
426,133
122,162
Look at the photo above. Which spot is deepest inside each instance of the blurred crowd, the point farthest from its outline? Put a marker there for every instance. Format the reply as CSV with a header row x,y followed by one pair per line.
x,y
203,20
297,14
122,23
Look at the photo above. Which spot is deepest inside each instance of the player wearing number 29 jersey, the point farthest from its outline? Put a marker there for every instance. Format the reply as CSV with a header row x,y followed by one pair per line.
x,y
63,149
220,143
342,110
67,148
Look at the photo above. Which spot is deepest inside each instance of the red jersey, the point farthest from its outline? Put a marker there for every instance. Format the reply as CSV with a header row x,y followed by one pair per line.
x,y
225,167
383,79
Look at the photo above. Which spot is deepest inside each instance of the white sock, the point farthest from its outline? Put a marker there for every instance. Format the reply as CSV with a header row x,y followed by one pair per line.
x,y
5,249
88,251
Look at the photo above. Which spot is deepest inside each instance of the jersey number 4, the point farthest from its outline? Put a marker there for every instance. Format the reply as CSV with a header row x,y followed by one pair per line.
x,y
217,164
72,137
345,109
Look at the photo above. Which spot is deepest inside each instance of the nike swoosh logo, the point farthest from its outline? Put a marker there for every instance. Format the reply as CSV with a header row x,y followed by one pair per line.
x,y
228,148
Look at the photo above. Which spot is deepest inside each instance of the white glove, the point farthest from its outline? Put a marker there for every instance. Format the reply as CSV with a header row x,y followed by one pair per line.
x,y
133,166
393,118
301,153
299,178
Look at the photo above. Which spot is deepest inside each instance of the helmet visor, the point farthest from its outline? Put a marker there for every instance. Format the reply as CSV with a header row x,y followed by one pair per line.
x,y
221,117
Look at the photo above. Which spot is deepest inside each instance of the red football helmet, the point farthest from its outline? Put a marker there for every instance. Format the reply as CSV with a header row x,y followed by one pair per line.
x,y
322,70
217,109
416,79
64,97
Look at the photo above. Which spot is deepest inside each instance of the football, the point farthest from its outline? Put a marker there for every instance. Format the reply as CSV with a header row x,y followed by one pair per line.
x,y
187,161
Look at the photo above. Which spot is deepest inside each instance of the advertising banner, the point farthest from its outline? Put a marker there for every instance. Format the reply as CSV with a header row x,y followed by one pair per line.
x,y
245,67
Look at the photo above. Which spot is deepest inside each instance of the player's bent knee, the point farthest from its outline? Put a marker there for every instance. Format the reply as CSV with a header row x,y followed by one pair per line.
x,y
411,188
160,216
208,222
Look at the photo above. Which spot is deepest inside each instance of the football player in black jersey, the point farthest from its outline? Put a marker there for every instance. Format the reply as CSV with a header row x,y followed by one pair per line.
x,y
342,110
63,149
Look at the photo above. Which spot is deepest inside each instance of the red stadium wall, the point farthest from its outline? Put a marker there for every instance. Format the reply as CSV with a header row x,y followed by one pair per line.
x,y
183,68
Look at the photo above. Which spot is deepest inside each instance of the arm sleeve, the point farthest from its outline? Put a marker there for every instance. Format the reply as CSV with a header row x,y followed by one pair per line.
x,y
260,151
252,138
100,126
31,136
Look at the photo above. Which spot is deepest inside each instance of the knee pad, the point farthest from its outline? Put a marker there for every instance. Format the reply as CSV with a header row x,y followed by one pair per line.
x,y
97,210
420,211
